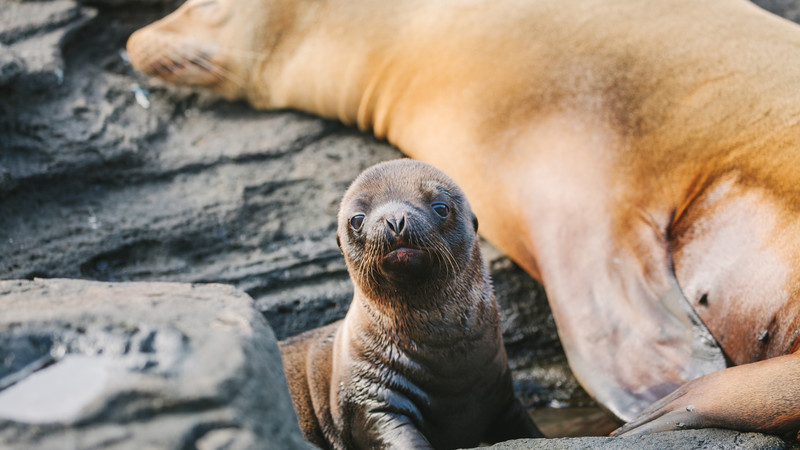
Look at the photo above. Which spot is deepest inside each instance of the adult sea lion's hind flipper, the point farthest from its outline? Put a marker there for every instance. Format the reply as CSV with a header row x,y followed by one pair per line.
x,y
761,396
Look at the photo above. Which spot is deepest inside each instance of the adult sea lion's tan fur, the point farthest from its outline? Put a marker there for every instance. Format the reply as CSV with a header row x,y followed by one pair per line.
x,y
639,158
418,361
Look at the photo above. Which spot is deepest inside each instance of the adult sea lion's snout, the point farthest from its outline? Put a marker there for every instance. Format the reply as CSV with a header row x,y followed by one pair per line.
x,y
158,54
211,44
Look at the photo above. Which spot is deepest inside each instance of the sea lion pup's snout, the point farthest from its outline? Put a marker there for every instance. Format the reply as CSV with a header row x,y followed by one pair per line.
x,y
405,252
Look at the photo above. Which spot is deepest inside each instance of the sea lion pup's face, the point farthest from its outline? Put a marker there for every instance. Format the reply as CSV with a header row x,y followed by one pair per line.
x,y
215,44
405,226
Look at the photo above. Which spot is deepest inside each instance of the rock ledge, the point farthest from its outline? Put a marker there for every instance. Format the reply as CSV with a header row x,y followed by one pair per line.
x,y
135,365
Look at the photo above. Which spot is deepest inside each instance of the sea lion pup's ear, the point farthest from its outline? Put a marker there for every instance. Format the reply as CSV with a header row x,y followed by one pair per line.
x,y
339,243
475,222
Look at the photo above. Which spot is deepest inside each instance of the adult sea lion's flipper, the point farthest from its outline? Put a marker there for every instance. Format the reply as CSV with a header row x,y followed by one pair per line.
x,y
760,396
630,335
627,368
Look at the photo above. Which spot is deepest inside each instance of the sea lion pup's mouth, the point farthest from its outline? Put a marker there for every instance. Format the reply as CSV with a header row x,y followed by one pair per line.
x,y
404,261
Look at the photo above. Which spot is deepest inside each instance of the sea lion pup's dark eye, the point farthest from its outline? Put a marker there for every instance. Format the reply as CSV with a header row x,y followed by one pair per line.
x,y
441,209
357,221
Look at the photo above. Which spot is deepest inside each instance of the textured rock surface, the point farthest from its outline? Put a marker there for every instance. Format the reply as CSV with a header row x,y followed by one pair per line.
x,y
690,439
138,365
105,175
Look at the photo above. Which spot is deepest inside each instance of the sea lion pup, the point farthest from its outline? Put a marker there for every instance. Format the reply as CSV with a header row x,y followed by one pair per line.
x,y
418,361
640,158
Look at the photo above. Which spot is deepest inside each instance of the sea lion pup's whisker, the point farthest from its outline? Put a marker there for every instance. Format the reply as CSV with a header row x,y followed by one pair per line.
x,y
373,251
450,263
441,260
443,255
406,328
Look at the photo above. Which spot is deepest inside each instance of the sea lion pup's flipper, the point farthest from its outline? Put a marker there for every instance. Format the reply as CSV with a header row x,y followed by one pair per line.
x,y
761,396
513,423
303,357
386,430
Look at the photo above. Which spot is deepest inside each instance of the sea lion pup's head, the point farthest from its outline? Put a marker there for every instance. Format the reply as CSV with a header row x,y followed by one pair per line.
x,y
406,229
220,45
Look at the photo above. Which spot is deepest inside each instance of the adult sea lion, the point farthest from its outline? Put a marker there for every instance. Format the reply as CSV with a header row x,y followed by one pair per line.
x,y
639,158
418,361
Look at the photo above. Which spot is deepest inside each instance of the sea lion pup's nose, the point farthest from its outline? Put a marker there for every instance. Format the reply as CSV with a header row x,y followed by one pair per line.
x,y
396,222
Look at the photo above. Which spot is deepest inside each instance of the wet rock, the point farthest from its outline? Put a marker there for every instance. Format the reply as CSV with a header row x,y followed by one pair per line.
x,y
138,365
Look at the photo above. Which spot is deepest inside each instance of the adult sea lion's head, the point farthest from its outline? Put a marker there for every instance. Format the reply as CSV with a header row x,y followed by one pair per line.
x,y
406,227
222,45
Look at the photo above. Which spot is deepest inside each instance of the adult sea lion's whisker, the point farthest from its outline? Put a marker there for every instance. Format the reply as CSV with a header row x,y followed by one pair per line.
x,y
204,61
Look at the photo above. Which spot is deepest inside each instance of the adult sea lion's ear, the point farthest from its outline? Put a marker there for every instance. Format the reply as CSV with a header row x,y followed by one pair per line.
x,y
339,243
475,222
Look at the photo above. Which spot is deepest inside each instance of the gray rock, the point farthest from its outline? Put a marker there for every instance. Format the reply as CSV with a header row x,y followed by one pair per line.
x,y
136,365
34,33
20,20
10,65
689,439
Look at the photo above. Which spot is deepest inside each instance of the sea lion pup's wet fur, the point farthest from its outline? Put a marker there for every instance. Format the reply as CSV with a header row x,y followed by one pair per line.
x,y
418,361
